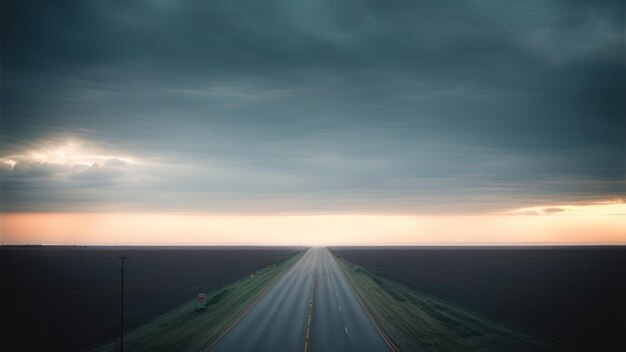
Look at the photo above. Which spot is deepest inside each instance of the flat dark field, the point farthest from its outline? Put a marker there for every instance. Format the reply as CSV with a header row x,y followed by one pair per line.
x,y
574,295
67,298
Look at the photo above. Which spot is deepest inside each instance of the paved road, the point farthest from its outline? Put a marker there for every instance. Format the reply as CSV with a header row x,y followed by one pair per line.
x,y
314,288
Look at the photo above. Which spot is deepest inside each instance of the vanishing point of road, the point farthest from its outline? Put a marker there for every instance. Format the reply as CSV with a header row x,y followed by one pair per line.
x,y
311,308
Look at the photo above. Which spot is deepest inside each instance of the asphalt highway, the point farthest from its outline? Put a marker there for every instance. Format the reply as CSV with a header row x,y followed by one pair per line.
x,y
311,308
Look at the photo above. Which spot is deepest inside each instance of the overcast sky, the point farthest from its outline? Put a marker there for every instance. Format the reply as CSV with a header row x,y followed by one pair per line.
x,y
311,106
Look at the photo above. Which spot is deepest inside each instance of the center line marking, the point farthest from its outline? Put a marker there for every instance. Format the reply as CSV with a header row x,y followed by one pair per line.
x,y
308,324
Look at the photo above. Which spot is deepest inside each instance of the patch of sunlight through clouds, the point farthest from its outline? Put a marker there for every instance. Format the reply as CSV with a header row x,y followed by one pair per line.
x,y
70,152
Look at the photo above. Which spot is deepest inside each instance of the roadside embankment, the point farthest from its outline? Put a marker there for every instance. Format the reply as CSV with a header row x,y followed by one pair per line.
x,y
187,328
419,322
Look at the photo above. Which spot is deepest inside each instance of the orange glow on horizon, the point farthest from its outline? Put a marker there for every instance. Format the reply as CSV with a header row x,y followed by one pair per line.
x,y
187,229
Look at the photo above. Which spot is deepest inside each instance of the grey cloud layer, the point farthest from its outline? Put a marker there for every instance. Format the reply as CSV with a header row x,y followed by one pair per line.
x,y
320,105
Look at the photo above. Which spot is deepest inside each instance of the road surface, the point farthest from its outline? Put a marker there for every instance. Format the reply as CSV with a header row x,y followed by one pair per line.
x,y
314,290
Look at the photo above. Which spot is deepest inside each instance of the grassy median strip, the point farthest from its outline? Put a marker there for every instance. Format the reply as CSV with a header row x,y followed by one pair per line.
x,y
187,328
418,322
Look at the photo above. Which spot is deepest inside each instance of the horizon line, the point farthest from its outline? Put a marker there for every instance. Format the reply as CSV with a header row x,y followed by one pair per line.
x,y
480,244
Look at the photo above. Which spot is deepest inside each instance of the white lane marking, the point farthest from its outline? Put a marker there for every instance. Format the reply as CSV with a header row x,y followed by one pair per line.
x,y
346,328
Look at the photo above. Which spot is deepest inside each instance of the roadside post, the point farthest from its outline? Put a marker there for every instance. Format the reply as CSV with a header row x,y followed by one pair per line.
x,y
201,301
122,261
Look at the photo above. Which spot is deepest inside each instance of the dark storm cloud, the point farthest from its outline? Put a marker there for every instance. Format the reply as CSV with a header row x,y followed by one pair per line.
x,y
319,105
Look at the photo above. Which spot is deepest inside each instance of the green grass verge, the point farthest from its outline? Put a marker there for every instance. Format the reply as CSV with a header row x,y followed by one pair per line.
x,y
419,322
185,328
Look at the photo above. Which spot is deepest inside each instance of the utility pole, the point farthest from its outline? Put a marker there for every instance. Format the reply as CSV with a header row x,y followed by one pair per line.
x,y
122,260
